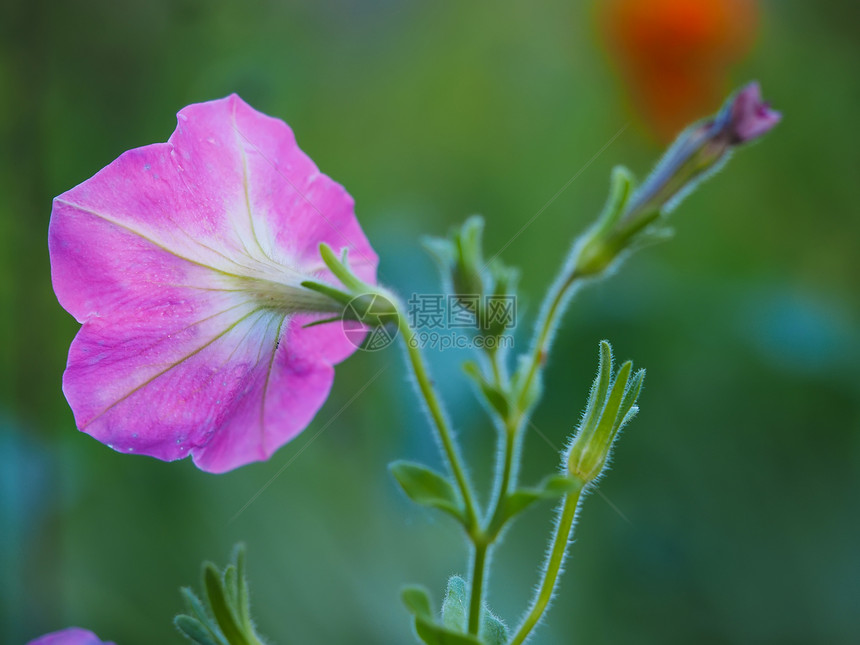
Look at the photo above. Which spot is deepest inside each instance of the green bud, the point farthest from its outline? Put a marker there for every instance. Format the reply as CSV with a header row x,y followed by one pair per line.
x,y
467,277
611,405
461,259
504,284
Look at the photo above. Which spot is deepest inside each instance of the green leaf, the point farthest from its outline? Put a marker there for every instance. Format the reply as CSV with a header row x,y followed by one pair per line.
x,y
597,397
196,608
613,404
427,487
433,634
493,630
221,609
243,603
620,189
442,251
630,396
230,586
467,278
339,267
552,487
417,601
496,399
327,290
323,321
194,631
454,612
193,603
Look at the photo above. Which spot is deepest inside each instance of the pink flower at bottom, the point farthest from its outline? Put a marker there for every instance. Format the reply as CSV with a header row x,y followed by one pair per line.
x,y
70,636
183,261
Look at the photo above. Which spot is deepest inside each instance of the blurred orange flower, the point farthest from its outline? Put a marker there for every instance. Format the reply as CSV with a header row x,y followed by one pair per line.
x,y
675,54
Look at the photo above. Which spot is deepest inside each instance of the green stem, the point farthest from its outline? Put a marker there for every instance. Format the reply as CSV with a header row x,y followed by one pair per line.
x,y
496,518
476,595
484,546
540,347
552,568
434,406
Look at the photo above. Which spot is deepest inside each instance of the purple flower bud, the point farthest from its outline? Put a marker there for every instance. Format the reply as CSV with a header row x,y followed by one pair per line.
x,y
750,116
701,149
698,152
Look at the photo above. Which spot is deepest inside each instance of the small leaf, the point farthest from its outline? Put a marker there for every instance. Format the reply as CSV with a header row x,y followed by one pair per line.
x,y
493,630
613,402
559,485
552,487
442,251
230,586
220,607
433,634
427,487
323,321
497,400
194,631
417,601
339,268
631,395
195,607
454,612
193,603
243,604
327,290
600,388
621,187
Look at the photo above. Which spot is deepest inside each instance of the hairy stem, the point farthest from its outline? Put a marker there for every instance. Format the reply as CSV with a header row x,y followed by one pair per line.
x,y
552,568
434,406
476,594
552,309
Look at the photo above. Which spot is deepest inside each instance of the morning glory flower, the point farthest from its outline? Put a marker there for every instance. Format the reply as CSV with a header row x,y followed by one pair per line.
x,y
70,636
184,262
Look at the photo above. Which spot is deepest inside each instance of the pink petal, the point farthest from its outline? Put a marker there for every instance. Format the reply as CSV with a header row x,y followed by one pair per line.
x,y
70,636
175,355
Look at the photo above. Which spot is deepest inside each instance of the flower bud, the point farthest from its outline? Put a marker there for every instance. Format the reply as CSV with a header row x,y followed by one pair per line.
x,y
611,405
475,283
632,218
461,261
701,149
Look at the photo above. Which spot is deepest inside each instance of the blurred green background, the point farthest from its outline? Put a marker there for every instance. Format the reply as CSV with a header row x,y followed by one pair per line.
x,y
736,515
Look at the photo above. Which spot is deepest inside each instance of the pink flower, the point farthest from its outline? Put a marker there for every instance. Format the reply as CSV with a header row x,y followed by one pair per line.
x,y
183,260
70,636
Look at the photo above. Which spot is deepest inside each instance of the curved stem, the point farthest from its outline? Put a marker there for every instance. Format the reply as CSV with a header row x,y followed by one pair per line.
x,y
434,406
552,568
